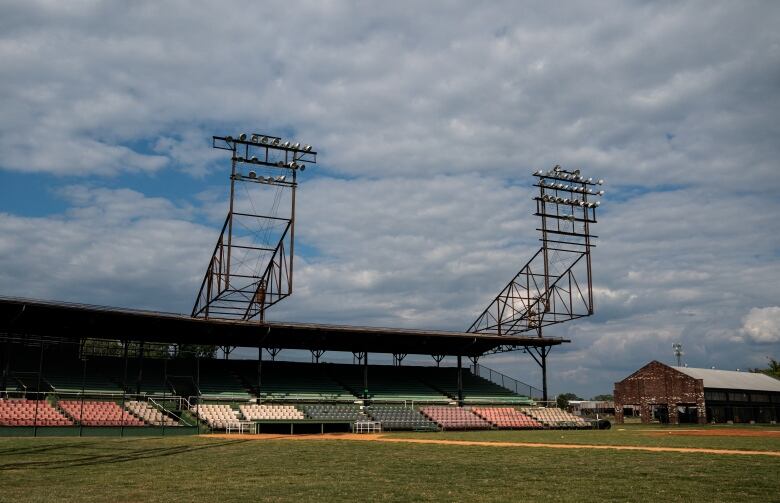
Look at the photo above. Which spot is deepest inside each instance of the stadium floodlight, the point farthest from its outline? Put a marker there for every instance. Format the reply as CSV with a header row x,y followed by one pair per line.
x,y
597,203
280,178
254,159
601,182
303,167
276,142
242,137
252,175
601,192
287,144
297,146
280,164
264,140
229,139
307,148
576,172
590,180
255,138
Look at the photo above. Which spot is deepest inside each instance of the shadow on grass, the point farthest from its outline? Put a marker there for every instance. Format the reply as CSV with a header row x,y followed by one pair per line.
x,y
42,448
121,457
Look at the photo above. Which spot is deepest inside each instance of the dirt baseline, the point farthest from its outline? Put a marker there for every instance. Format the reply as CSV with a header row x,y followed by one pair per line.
x,y
382,438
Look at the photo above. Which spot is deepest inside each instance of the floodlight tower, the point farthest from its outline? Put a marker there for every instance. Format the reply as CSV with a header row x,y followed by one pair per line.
x,y
555,285
251,268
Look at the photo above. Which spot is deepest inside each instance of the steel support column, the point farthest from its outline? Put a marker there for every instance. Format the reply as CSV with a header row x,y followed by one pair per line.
x,y
365,375
460,381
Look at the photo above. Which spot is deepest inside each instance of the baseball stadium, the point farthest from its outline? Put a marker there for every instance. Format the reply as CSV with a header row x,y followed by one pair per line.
x,y
102,402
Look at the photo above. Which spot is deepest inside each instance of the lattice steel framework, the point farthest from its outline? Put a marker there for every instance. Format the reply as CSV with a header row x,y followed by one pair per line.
x,y
555,285
251,268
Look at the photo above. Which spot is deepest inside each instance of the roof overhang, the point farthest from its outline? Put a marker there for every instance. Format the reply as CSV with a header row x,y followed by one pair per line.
x,y
76,321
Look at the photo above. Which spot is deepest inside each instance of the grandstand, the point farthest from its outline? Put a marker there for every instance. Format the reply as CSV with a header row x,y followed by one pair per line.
x,y
84,380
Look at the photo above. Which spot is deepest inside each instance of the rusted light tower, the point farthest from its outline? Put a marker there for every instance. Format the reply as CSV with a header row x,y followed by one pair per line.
x,y
251,268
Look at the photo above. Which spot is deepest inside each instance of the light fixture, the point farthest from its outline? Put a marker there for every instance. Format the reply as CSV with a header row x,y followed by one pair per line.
x,y
252,175
307,148
601,182
297,146
601,192
229,139
255,138
303,167
287,144
253,159
280,164
264,140
576,172
280,178
242,136
590,180
276,142
597,203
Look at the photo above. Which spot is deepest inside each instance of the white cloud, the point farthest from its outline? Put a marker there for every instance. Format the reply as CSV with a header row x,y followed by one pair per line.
x,y
762,324
432,119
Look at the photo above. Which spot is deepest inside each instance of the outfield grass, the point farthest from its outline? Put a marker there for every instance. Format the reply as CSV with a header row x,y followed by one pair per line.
x,y
636,435
215,469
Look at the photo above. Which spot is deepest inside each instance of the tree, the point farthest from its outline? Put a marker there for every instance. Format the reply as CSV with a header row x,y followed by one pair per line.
x,y
563,399
603,398
773,370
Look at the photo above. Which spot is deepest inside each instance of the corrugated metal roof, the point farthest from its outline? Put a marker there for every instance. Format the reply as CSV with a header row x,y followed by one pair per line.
x,y
730,379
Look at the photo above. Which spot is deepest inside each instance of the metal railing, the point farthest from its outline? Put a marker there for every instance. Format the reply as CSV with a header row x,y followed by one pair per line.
x,y
510,383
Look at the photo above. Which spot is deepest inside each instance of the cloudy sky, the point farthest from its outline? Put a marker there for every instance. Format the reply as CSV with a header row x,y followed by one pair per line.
x,y
429,119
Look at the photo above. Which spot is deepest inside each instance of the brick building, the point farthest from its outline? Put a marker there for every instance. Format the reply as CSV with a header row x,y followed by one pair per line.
x,y
682,394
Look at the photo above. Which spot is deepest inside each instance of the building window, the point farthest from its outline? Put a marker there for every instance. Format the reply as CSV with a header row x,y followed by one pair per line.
x,y
715,395
738,397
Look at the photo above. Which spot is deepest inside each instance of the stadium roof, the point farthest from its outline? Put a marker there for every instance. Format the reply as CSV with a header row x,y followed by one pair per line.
x,y
729,379
38,318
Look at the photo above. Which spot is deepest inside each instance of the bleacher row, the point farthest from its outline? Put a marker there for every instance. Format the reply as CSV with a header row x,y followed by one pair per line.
x,y
238,380
24,412
392,417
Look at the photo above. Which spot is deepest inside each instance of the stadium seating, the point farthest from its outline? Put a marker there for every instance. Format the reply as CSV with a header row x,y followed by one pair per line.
x,y
476,390
256,412
333,412
388,384
295,381
555,418
399,417
455,418
150,414
218,417
21,412
63,382
97,413
220,383
506,417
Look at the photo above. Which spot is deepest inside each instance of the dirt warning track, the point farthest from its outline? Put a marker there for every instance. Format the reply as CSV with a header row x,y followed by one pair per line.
x,y
382,438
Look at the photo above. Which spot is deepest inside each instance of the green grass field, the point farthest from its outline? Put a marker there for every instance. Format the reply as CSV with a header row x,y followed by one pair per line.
x,y
219,469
